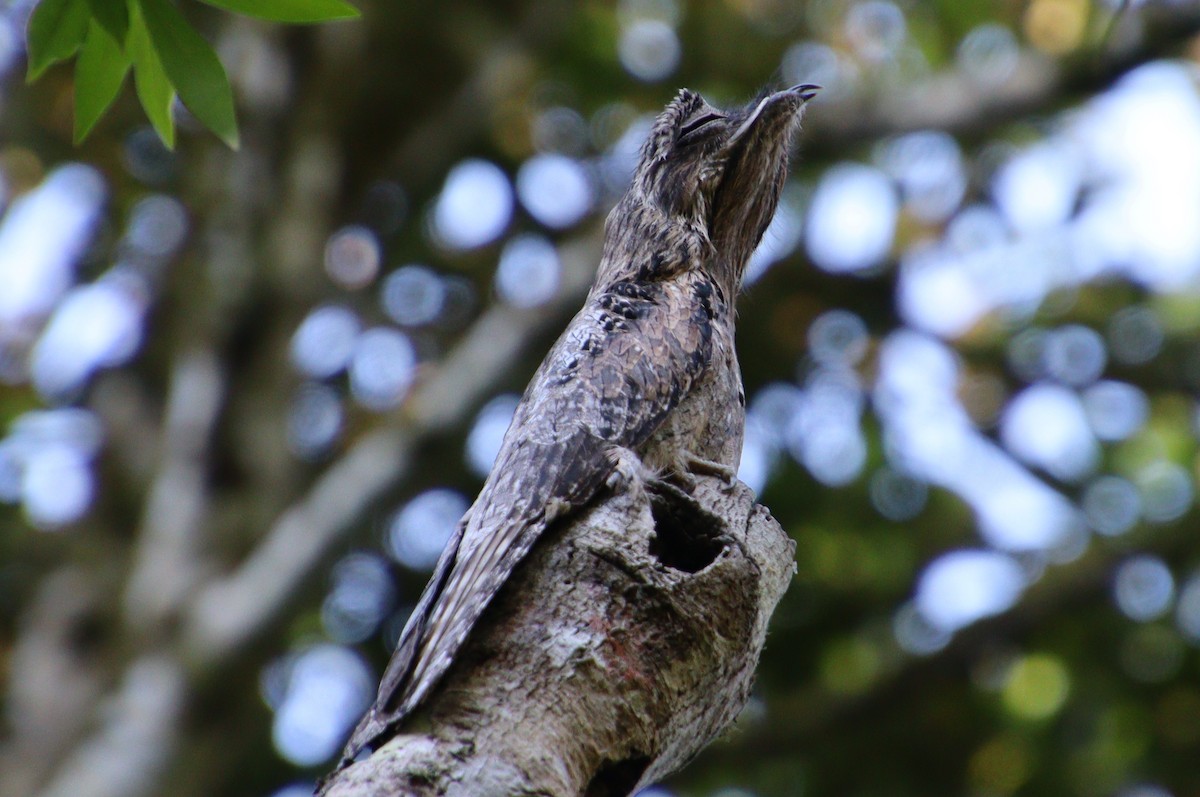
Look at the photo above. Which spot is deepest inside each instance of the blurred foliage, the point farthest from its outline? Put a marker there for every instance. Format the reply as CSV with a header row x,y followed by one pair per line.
x,y
1084,683
167,55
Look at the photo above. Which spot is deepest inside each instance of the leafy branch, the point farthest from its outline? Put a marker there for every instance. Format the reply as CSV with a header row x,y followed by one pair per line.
x,y
168,57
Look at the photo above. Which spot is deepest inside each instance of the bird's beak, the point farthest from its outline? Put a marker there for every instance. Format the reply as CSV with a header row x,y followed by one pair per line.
x,y
793,98
806,91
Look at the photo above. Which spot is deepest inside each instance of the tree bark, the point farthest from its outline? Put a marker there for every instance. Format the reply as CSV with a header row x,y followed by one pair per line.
x,y
624,644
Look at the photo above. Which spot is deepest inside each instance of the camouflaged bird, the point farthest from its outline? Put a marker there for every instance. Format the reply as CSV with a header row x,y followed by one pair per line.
x,y
643,384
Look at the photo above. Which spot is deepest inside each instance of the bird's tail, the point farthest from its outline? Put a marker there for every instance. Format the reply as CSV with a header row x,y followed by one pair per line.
x,y
463,584
525,493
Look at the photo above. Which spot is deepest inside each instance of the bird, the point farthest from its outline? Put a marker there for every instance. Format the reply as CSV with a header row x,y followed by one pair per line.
x,y
643,386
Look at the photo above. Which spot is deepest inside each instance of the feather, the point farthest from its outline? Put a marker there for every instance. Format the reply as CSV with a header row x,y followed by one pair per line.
x,y
617,371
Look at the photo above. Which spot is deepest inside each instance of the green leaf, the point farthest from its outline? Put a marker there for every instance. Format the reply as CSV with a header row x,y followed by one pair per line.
x,y
99,73
56,30
296,11
193,67
153,87
113,15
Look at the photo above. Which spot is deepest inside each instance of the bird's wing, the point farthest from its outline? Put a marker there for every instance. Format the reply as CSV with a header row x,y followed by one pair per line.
x,y
625,361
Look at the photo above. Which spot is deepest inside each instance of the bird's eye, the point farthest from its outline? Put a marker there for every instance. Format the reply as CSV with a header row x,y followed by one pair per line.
x,y
699,122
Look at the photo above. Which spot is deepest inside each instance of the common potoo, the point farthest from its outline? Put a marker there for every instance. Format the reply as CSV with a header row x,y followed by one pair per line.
x,y
643,384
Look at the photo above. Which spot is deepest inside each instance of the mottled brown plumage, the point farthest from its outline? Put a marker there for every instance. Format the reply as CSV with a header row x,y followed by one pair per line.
x,y
643,384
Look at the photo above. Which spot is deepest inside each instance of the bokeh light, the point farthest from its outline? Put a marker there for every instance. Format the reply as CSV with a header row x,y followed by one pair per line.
x,y
838,336
935,295
649,49
850,665
10,472
1074,354
1063,235
1056,26
382,368
1143,588
295,790
324,342
57,485
835,454
487,433
826,435
851,219
975,228
474,207
419,531
555,189
897,496
560,129
961,587
1145,790
315,420
760,454
42,236
1115,410
1112,505
327,689
1037,686
353,256
148,159
10,45
916,634
927,433
668,12
875,29
158,225
655,791
529,271
45,464
1036,190
928,167
775,406
94,326
1166,491
1046,426
1135,335
989,53
362,594
772,410
1141,137
619,162
413,295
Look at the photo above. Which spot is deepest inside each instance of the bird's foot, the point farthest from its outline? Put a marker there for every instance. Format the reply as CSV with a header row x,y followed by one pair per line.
x,y
629,474
706,467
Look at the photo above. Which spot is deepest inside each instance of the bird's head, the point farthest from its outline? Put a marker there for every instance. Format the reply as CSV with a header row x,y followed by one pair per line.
x,y
721,172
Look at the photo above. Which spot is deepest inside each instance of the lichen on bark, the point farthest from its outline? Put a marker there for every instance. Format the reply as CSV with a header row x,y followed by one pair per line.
x,y
623,645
